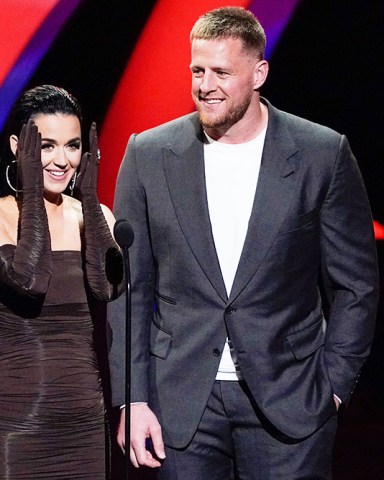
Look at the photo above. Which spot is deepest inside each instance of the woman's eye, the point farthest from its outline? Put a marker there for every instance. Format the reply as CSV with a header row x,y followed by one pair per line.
x,y
74,146
46,146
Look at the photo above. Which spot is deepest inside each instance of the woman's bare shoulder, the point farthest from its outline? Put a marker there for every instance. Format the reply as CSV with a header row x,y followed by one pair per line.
x,y
9,215
9,209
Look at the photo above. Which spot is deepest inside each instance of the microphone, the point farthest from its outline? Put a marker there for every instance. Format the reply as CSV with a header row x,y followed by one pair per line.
x,y
124,237
123,233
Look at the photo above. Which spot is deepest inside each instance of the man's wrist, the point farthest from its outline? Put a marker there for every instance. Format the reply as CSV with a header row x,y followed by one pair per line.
x,y
133,403
338,399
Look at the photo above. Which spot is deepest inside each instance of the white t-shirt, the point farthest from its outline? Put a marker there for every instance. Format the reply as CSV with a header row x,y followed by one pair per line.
x,y
231,175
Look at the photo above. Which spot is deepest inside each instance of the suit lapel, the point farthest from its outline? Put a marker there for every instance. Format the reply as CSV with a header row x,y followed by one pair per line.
x,y
184,170
276,185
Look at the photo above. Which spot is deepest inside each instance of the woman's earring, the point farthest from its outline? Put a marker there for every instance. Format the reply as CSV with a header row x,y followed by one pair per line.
x,y
16,190
73,183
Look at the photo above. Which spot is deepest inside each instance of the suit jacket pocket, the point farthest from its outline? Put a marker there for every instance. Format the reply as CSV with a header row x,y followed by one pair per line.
x,y
292,224
161,341
305,342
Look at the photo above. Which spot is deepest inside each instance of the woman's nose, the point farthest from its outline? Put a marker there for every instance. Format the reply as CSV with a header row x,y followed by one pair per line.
x,y
61,159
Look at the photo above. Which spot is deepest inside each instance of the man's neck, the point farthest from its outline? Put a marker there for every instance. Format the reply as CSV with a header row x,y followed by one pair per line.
x,y
243,131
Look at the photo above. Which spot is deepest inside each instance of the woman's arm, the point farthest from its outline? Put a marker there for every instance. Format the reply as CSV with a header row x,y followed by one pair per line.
x,y
104,264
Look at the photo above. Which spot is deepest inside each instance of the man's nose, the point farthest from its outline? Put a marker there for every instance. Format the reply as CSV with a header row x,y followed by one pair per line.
x,y
208,83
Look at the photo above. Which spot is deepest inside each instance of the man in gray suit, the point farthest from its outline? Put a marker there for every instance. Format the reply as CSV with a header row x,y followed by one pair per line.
x,y
254,276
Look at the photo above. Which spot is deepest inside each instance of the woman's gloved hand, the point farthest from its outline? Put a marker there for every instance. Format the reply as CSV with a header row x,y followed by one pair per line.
x,y
29,167
87,175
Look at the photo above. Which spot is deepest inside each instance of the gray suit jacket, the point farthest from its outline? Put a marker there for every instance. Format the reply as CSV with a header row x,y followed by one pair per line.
x,y
310,228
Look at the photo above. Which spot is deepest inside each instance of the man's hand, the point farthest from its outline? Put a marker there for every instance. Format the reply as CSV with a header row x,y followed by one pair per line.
x,y
144,425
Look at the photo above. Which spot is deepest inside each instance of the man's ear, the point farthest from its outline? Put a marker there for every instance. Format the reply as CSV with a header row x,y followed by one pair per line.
x,y
13,140
260,74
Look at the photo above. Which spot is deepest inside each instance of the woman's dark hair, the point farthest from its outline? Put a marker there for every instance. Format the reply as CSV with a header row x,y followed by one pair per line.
x,y
40,100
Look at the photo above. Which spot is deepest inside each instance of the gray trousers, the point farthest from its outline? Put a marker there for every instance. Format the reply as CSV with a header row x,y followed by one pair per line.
x,y
234,442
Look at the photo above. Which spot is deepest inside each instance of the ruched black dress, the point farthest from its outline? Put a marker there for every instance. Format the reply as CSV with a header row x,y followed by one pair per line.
x,y
51,403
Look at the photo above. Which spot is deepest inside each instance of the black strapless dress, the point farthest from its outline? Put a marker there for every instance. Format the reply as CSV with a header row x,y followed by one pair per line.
x,y
52,423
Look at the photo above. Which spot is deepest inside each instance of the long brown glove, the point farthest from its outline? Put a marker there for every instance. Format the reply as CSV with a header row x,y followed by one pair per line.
x,y
104,265
27,266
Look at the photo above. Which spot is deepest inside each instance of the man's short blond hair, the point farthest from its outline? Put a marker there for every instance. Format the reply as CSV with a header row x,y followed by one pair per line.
x,y
231,22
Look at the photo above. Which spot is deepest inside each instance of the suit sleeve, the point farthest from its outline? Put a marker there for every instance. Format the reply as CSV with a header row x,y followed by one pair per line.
x,y
130,204
350,273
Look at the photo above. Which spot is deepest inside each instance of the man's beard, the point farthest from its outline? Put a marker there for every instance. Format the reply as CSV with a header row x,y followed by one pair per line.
x,y
225,120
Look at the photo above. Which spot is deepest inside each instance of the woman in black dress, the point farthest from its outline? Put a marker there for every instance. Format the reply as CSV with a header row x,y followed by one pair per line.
x,y
56,254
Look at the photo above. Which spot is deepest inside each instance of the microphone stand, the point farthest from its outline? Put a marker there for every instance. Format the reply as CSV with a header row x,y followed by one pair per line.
x,y
127,362
124,237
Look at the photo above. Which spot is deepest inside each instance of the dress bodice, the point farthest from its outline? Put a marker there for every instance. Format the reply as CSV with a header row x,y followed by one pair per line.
x,y
67,281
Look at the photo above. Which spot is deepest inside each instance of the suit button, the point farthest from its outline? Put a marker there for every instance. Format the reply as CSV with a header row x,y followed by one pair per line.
x,y
230,310
216,352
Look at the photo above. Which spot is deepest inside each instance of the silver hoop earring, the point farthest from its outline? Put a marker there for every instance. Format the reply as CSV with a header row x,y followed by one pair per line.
x,y
8,180
73,183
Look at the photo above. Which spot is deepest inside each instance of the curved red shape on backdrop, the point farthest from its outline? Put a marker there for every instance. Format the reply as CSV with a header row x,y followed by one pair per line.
x,y
379,230
19,21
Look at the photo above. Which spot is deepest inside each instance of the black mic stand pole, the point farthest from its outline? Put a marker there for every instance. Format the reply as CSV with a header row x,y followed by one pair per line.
x,y
127,363
124,237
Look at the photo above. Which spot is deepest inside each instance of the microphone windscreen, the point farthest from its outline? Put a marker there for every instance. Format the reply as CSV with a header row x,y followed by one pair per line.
x,y
123,233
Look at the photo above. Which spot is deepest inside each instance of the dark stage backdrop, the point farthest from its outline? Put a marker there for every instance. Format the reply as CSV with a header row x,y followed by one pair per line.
x,y
128,63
